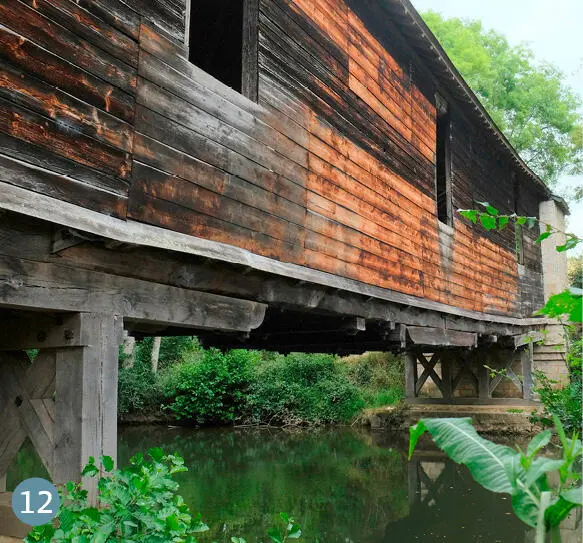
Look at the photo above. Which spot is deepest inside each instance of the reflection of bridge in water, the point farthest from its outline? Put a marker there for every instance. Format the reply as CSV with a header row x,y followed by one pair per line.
x,y
437,487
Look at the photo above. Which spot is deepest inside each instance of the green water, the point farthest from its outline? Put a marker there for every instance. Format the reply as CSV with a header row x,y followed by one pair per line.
x,y
341,485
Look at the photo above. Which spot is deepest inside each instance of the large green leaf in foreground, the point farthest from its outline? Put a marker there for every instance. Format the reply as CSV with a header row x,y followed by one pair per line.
x,y
486,461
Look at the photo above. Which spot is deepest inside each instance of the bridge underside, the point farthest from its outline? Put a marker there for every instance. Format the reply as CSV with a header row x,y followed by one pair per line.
x,y
70,295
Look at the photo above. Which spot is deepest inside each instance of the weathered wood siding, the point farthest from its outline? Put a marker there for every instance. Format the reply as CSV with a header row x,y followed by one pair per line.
x,y
332,169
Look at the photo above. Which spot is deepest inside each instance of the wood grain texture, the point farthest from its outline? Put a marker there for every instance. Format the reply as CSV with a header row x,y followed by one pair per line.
x,y
327,163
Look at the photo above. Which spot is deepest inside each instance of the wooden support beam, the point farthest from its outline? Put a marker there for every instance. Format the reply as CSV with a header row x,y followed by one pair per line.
x,y
429,371
411,374
86,400
441,337
40,331
48,286
526,359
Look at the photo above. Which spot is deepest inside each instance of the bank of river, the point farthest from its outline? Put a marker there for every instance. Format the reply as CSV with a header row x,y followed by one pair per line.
x,y
342,485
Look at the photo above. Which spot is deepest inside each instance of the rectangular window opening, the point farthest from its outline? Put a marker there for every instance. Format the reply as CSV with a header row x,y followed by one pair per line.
x,y
216,39
443,164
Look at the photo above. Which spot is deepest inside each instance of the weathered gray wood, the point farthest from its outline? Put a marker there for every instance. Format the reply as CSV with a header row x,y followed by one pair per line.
x,y
39,206
446,375
441,337
10,526
526,358
39,331
86,400
26,392
429,371
484,392
29,284
250,83
529,338
410,374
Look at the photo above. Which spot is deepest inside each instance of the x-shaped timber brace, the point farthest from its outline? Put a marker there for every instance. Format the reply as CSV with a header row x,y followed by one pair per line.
x,y
467,364
65,401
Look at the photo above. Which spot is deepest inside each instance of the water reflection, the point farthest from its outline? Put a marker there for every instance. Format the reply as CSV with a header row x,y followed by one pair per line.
x,y
342,485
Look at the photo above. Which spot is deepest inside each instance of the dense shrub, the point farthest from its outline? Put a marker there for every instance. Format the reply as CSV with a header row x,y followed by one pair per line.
x,y
563,401
379,376
300,388
210,387
139,390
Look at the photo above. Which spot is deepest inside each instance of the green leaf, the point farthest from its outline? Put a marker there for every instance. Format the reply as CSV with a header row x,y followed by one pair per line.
x,y
539,467
531,222
492,210
520,220
274,535
156,453
237,540
295,532
415,432
503,221
107,462
90,470
574,495
543,236
525,508
558,511
538,442
485,460
488,222
470,214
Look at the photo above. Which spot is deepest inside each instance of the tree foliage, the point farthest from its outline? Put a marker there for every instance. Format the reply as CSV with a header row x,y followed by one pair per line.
x,y
529,100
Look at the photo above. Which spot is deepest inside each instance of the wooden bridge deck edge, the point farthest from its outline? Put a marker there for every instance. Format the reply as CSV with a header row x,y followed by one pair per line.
x,y
42,207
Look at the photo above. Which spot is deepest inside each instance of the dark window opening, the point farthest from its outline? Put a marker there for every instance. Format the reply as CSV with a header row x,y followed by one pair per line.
x,y
443,164
216,39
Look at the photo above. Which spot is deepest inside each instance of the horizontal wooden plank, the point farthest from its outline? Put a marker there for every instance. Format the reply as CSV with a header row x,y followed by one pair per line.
x,y
440,337
62,187
31,25
25,125
82,23
64,75
28,91
65,288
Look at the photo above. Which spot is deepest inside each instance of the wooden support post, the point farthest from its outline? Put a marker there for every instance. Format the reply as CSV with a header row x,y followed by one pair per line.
x,y
483,381
446,376
526,357
86,400
411,374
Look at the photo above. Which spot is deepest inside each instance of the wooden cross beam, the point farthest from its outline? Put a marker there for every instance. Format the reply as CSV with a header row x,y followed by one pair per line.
x,y
66,400
429,371
27,406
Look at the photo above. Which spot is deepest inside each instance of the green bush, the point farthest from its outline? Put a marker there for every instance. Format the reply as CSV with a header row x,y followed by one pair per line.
x,y
210,388
140,503
563,401
301,389
379,376
139,390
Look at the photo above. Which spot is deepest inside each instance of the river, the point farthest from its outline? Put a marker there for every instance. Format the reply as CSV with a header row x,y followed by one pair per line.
x,y
342,485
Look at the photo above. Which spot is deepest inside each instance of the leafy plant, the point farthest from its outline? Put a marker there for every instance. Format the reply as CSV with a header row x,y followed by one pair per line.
x,y
138,503
211,389
564,402
289,530
301,389
522,474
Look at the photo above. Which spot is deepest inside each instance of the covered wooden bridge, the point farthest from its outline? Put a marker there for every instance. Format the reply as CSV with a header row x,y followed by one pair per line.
x,y
275,174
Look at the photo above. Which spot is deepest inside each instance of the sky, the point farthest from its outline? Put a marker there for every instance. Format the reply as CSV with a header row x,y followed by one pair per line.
x,y
554,31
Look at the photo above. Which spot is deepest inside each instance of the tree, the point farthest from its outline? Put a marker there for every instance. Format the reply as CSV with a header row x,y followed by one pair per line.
x,y
529,101
576,271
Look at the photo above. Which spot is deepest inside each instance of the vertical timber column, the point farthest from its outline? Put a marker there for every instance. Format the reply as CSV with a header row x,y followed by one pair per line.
x,y
410,374
526,356
86,398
